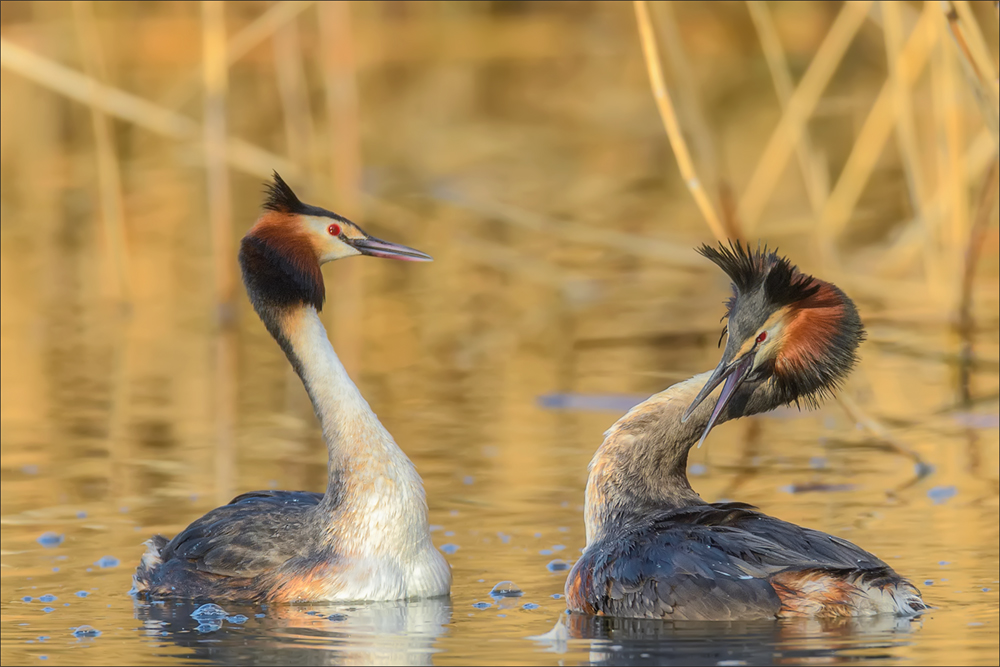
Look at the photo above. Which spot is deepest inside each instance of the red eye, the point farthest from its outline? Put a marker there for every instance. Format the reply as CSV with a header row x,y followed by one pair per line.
x,y
762,337
334,229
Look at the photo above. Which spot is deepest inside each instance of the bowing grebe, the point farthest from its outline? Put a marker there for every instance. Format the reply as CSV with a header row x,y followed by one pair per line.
x,y
655,549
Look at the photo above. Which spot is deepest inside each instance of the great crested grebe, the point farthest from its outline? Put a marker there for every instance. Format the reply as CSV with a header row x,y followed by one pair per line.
x,y
367,537
655,549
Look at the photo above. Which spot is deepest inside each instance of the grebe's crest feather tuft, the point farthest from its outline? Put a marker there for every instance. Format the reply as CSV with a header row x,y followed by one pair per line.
x,y
280,197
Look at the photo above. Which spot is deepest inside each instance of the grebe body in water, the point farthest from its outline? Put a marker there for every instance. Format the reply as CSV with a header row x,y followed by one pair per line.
x,y
367,537
655,549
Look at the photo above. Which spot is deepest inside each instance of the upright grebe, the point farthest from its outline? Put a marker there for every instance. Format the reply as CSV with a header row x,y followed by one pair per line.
x,y
655,549
367,537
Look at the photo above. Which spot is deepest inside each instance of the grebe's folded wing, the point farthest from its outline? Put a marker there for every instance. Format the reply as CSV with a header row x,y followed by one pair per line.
x,y
703,562
682,572
247,537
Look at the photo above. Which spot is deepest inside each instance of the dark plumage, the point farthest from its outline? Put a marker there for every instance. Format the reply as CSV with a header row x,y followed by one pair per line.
x,y
280,198
230,552
713,562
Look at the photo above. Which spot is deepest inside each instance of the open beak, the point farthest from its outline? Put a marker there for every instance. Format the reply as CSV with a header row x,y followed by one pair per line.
x,y
733,373
379,248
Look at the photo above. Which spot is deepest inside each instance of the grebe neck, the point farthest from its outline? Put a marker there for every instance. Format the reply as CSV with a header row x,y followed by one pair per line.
x,y
642,464
365,463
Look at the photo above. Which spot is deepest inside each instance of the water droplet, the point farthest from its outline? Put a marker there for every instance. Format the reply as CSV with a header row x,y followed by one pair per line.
x,y
48,597
106,562
49,539
929,582
557,596
209,612
208,626
82,594
546,552
238,619
86,631
259,615
530,605
48,610
449,548
942,494
558,547
506,589
337,618
27,598
483,605
557,565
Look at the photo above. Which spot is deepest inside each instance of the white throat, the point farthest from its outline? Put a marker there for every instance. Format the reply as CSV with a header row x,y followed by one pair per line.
x,y
378,514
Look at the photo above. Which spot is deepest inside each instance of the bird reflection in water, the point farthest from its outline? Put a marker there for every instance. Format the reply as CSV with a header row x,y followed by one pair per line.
x,y
370,633
817,640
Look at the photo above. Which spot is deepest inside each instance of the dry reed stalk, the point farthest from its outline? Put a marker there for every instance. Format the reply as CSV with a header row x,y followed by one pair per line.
x,y
872,137
95,94
672,254
669,118
108,170
975,60
694,117
215,73
240,154
777,64
976,49
215,76
953,180
294,92
800,107
977,238
892,27
240,44
978,157
343,133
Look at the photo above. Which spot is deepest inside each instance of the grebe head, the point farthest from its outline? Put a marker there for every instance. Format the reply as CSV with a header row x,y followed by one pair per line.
x,y
282,253
785,328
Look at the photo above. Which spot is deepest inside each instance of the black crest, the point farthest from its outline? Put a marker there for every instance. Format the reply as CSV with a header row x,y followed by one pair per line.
x,y
761,271
280,197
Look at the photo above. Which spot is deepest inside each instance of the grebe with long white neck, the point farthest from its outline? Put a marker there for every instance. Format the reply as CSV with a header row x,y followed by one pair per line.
x,y
655,549
367,537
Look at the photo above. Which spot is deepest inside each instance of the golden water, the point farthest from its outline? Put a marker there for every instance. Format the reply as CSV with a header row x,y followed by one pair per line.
x,y
111,424
518,143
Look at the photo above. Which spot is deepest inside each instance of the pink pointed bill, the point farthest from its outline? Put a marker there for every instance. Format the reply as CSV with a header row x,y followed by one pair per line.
x,y
379,248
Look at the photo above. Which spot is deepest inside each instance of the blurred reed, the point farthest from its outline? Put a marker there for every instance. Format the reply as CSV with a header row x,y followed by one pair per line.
x,y
670,123
524,136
